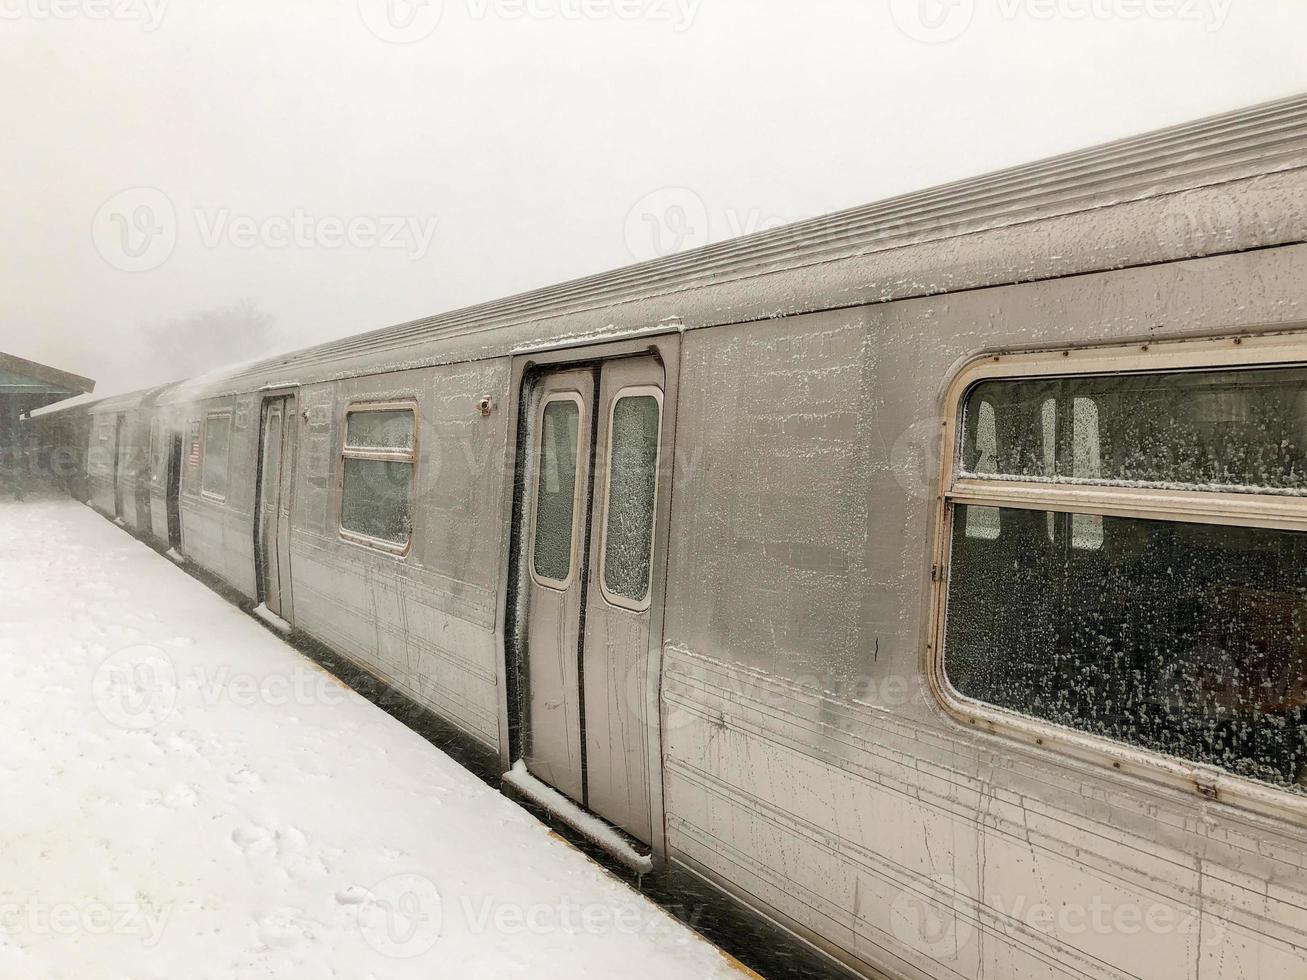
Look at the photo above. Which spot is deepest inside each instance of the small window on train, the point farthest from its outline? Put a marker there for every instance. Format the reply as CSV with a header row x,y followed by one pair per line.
x,y
156,451
1185,636
555,505
378,460
633,436
217,451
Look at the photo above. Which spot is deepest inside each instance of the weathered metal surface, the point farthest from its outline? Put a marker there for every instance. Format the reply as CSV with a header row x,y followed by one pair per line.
x,y
808,766
800,759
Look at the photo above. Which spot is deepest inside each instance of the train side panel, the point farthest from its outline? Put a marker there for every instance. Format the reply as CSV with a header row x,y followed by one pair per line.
x,y
99,463
134,474
809,769
218,524
423,621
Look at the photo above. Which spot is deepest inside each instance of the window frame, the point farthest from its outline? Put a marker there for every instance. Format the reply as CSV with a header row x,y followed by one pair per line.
x,y
1277,511
582,420
411,457
224,413
621,601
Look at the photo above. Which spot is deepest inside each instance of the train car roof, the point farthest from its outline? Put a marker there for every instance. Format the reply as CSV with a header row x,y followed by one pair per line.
x,y
125,402
1243,176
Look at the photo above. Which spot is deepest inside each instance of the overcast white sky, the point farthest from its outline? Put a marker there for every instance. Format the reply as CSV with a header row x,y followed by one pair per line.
x,y
346,164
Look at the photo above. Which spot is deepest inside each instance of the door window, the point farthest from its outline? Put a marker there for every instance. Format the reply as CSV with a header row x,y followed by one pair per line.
x,y
633,435
555,507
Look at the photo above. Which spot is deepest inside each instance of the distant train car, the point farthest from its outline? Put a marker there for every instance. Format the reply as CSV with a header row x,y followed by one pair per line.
x,y
930,578
117,461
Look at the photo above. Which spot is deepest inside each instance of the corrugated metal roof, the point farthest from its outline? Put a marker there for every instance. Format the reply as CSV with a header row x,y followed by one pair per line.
x,y
1222,148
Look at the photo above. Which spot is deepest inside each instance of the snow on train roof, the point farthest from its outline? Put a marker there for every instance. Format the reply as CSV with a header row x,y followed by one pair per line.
x,y
919,244
121,402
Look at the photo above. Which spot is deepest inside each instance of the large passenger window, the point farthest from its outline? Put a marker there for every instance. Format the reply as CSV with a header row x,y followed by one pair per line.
x,y
555,507
217,453
634,429
378,459
1137,615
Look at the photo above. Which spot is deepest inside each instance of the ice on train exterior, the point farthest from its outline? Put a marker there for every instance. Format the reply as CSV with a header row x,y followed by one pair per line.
x,y
930,578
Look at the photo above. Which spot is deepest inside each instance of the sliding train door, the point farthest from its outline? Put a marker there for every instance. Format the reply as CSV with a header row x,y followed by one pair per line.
x,y
615,658
276,482
594,462
174,493
119,465
557,585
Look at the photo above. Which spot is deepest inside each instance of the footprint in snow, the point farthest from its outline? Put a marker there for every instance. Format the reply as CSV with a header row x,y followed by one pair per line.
x,y
284,927
244,777
181,795
254,841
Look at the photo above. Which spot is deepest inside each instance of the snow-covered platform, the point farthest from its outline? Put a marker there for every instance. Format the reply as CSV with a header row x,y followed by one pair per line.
x,y
184,795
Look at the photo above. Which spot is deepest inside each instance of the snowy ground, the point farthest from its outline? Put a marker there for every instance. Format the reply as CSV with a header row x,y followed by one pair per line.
x,y
184,795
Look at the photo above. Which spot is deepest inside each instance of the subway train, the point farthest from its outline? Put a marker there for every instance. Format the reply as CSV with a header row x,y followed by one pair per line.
x,y
928,580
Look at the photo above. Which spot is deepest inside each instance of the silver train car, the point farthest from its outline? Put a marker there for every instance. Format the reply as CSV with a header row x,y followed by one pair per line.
x,y
929,578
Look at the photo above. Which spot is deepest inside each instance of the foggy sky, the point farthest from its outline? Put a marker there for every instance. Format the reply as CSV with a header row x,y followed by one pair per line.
x,y
344,165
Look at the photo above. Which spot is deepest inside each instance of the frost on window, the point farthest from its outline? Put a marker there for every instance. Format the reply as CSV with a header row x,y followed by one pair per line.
x,y
1235,430
556,490
1086,464
380,431
156,452
1186,639
633,480
983,522
376,499
217,443
1084,531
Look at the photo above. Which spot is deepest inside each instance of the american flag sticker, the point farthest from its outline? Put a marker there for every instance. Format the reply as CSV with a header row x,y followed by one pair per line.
x,y
195,443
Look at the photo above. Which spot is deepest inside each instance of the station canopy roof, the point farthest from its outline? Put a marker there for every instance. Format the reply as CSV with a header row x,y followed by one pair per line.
x,y
36,384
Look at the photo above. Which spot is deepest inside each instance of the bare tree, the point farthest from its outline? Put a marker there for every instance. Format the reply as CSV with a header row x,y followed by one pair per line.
x,y
185,346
